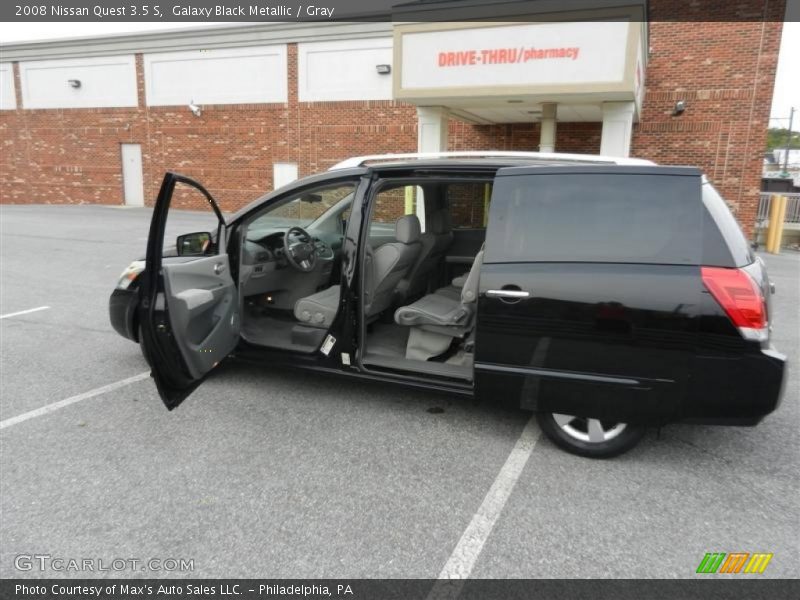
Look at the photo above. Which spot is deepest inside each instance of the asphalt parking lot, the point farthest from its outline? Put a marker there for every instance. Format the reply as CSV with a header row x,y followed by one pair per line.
x,y
266,473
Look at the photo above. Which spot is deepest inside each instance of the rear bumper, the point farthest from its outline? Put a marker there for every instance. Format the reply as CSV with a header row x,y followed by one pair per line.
x,y
735,390
122,307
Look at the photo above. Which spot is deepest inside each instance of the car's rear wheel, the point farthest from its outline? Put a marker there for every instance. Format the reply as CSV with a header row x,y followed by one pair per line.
x,y
593,438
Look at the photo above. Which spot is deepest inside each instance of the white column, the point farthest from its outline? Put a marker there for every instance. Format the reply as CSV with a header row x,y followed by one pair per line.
x,y
432,128
547,135
617,128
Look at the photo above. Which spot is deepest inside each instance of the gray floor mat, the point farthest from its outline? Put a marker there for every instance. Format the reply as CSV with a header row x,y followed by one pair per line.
x,y
271,332
386,347
387,339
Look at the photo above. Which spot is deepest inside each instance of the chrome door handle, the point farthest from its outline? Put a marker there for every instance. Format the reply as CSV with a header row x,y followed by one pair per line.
x,y
513,294
219,268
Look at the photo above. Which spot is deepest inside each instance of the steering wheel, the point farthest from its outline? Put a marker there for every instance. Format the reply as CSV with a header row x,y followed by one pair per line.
x,y
300,252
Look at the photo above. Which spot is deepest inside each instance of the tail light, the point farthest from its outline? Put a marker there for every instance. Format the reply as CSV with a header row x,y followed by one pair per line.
x,y
740,298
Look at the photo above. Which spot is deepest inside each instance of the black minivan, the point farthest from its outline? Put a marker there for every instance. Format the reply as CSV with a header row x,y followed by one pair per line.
x,y
606,295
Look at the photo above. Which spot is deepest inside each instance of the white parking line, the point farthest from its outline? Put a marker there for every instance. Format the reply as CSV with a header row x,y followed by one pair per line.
x,y
72,400
24,312
462,560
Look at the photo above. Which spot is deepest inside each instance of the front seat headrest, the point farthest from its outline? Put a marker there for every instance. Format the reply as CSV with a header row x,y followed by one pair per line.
x,y
407,229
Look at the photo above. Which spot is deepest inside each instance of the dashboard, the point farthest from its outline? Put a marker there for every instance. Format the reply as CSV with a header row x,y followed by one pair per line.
x,y
261,248
265,271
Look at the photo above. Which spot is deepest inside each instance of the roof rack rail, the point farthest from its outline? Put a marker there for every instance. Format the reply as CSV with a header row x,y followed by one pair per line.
x,y
360,161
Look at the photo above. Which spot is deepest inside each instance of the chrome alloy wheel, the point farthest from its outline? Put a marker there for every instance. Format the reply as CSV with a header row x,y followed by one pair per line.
x,y
593,431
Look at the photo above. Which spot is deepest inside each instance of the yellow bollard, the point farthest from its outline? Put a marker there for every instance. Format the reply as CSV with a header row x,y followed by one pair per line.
x,y
487,195
773,214
409,200
777,213
781,220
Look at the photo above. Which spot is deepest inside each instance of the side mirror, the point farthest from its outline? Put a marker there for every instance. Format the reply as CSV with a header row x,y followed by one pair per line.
x,y
193,244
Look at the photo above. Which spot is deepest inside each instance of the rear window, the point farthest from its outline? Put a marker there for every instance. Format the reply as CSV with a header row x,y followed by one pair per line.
x,y
725,244
597,217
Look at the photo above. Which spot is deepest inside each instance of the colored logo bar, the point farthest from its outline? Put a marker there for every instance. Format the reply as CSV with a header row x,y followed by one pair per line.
x,y
735,562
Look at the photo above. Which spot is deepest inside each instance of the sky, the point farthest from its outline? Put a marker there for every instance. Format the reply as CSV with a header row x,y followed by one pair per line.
x,y
787,81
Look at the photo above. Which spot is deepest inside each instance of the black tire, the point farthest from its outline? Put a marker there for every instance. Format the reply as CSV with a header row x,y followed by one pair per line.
x,y
566,435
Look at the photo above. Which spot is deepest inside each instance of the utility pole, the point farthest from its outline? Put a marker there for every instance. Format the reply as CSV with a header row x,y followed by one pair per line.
x,y
788,145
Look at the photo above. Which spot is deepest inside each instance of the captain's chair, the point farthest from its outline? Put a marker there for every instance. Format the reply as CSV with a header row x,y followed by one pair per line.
x,y
437,319
434,244
384,267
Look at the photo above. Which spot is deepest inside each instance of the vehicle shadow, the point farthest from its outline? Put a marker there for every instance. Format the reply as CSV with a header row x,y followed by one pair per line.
x,y
308,388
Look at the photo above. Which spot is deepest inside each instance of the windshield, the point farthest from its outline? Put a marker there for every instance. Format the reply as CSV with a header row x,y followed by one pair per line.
x,y
303,209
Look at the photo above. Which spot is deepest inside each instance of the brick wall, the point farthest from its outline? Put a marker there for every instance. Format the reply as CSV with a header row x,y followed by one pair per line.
x,y
73,155
724,72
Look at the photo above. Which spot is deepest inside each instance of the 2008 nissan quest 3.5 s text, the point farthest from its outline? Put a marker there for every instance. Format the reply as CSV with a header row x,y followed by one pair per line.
x,y
606,295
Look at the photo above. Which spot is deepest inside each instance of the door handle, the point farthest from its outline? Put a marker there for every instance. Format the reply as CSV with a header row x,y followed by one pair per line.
x,y
219,268
509,294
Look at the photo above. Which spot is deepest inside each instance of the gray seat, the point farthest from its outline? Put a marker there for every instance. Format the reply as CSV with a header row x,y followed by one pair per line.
x,y
387,265
318,310
384,267
436,319
454,289
433,247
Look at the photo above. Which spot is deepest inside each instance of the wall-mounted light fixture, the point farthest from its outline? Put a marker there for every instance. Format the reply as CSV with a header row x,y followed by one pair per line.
x,y
74,83
383,69
196,110
680,106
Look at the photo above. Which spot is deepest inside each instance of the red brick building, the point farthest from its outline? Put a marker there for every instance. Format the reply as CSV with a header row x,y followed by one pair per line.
x,y
307,96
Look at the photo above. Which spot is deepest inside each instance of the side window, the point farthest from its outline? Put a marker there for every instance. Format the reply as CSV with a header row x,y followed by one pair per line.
x,y
192,226
469,204
604,217
391,203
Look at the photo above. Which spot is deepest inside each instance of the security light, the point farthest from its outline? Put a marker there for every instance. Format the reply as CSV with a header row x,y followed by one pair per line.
x,y
680,106
74,83
383,69
196,110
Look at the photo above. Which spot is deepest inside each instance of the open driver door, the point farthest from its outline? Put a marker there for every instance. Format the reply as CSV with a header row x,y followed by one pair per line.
x,y
188,302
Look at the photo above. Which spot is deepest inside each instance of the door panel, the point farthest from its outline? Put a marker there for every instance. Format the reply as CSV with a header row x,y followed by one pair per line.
x,y
606,341
203,307
189,305
589,291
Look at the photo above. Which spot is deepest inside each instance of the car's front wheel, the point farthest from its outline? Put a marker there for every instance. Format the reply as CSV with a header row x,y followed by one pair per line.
x,y
593,438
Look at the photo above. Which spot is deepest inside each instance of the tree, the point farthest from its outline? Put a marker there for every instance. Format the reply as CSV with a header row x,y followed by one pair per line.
x,y
776,138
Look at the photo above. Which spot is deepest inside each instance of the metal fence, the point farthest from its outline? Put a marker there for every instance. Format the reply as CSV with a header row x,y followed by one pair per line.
x,y
792,208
